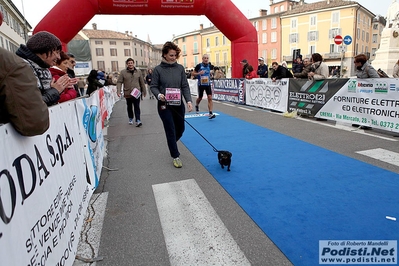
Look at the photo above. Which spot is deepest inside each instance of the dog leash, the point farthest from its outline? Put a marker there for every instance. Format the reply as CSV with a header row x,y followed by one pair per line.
x,y
214,149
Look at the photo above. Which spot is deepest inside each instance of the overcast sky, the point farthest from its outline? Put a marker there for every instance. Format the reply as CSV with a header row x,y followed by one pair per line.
x,y
156,26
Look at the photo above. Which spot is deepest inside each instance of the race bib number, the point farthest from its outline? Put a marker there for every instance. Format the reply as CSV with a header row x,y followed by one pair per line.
x,y
135,93
204,80
173,96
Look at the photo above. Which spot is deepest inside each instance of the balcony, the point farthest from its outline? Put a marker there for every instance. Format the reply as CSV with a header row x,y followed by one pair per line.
x,y
195,52
287,58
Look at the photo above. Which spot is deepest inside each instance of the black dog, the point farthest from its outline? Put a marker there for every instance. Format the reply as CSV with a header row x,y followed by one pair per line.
x,y
225,159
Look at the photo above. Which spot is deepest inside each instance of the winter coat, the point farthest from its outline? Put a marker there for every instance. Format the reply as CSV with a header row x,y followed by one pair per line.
x,y
281,72
304,73
262,71
252,74
320,69
131,79
69,93
41,70
92,85
366,71
297,68
395,73
167,75
21,102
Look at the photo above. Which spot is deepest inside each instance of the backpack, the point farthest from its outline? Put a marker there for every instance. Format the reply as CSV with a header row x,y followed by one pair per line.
x,y
382,73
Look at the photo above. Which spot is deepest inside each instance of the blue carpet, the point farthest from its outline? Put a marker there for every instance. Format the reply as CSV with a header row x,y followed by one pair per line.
x,y
296,192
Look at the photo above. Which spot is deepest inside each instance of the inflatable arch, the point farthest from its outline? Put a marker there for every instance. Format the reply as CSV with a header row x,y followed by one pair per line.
x,y
222,13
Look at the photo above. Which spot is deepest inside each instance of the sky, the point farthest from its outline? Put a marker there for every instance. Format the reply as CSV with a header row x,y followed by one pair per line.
x,y
162,28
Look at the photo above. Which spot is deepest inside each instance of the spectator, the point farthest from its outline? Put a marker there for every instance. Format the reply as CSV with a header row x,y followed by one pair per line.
x,y
93,83
218,73
41,52
251,74
297,65
280,72
148,79
363,68
305,70
71,70
21,102
81,85
60,69
133,87
319,69
245,66
203,72
169,79
262,68
395,73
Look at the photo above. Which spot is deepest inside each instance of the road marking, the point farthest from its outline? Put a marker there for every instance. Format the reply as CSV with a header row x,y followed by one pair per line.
x,y
194,233
246,109
382,155
228,104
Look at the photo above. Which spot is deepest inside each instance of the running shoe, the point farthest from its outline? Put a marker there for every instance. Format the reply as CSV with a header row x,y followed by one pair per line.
x,y
138,123
177,162
211,116
197,109
130,121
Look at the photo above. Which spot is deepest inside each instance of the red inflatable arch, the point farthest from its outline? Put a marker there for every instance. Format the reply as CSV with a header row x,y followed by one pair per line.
x,y
223,14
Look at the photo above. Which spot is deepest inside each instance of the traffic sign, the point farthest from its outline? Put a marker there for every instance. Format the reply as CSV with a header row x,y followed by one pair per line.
x,y
347,39
342,48
338,39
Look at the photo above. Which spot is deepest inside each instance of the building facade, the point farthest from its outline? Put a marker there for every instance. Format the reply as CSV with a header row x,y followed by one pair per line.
x,y
14,29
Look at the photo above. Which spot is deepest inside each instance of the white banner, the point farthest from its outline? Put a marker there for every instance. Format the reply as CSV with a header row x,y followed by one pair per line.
x,y
266,93
43,192
369,102
90,113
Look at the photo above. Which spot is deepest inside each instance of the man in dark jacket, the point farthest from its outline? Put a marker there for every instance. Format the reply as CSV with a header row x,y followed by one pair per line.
x,y
21,102
280,72
245,66
262,68
41,52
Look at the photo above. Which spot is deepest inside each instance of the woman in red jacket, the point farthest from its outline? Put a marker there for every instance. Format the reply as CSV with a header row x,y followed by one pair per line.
x,y
252,73
59,70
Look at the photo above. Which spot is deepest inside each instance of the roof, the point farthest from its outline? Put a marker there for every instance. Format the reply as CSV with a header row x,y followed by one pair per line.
x,y
317,6
106,34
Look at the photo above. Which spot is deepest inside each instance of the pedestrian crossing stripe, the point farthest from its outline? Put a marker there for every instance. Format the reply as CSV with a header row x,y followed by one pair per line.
x,y
382,155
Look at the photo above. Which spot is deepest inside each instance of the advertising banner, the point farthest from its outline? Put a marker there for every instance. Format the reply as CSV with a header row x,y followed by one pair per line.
x,y
43,192
266,93
231,90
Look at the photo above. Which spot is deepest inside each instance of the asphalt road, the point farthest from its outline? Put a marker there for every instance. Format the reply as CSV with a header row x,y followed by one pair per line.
x,y
137,159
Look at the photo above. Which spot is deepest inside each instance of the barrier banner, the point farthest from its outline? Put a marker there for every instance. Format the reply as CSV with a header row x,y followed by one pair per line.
x,y
231,90
90,116
308,96
266,93
43,192
369,102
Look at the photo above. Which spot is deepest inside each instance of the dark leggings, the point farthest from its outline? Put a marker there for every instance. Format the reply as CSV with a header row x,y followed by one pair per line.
x,y
173,122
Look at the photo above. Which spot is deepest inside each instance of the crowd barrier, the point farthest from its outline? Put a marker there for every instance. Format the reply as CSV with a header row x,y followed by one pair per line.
x,y
46,181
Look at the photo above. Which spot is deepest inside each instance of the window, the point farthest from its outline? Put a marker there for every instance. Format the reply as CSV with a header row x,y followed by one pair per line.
x,y
313,20
335,17
264,37
264,24
99,52
274,53
98,42
312,49
217,41
225,59
255,23
373,50
196,62
185,62
114,66
224,40
375,38
293,38
208,43
334,32
183,39
375,26
275,9
184,51
195,37
195,51
112,42
126,43
294,22
358,33
363,35
217,59
313,36
333,48
127,52
113,52
281,8
274,37
135,51
274,23
100,65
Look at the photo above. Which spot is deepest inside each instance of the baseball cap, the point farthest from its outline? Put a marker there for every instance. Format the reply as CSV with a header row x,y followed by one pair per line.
x,y
244,61
261,59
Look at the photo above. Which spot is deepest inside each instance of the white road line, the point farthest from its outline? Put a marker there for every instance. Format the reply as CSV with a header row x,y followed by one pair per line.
x,y
229,104
382,155
246,109
194,233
